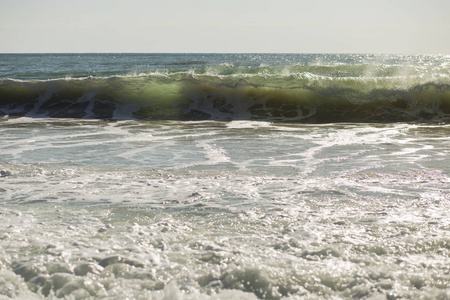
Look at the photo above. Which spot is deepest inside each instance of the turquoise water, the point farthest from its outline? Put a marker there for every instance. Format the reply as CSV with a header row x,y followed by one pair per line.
x,y
114,186
50,66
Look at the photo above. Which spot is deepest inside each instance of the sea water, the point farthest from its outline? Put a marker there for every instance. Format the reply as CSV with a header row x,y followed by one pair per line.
x,y
224,176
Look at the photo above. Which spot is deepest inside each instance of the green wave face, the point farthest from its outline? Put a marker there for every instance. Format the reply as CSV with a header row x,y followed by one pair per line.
x,y
299,96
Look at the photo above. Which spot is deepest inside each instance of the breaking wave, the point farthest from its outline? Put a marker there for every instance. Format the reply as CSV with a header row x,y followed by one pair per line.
x,y
295,96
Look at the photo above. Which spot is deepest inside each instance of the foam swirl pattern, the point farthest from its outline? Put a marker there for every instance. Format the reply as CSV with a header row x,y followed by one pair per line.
x,y
176,176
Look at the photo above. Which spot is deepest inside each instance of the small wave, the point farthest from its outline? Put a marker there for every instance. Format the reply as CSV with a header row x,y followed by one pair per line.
x,y
305,96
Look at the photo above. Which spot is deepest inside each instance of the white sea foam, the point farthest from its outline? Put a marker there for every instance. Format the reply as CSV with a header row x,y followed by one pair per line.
x,y
222,210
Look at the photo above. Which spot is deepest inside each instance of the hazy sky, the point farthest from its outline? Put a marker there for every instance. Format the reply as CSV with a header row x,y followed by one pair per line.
x,y
362,26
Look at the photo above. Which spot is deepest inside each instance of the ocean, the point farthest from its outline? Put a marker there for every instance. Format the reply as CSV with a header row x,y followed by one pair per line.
x,y
224,176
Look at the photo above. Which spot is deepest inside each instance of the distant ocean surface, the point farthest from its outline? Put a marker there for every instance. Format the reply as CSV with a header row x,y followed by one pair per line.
x,y
224,176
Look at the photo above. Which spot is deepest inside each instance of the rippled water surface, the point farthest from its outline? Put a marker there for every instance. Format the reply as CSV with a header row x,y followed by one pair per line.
x,y
223,210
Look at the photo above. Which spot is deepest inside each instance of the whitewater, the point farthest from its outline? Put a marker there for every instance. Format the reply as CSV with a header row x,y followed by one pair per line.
x,y
224,176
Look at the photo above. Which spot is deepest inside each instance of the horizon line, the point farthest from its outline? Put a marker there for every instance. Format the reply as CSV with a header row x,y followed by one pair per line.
x,y
333,53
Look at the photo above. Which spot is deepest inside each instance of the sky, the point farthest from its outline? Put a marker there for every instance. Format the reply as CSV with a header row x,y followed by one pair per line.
x,y
224,26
